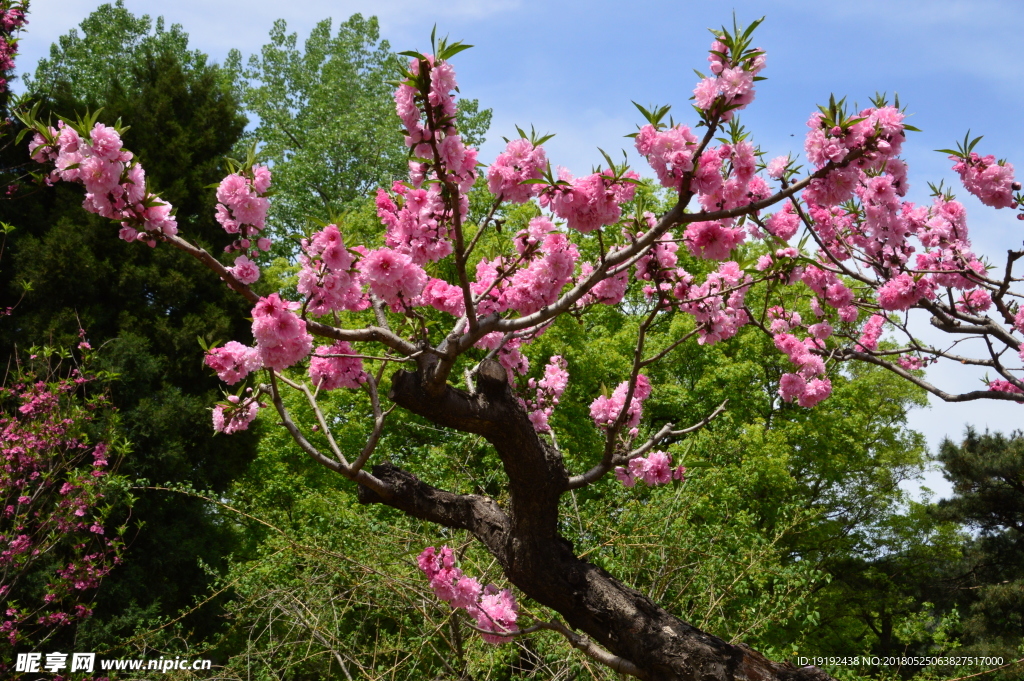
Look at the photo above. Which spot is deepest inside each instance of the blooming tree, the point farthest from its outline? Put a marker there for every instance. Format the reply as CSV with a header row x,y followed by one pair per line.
x,y
839,239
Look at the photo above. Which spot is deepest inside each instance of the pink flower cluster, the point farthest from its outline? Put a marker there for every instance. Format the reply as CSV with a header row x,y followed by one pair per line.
x,y
327,276
713,240
427,109
236,415
280,334
904,290
494,611
731,85
717,304
726,177
233,361
654,469
545,265
521,161
830,291
393,277
974,302
417,222
780,321
549,391
115,184
242,210
784,223
670,152
1004,387
992,182
777,167
871,332
588,203
336,366
441,295
606,410
658,266
808,385
878,136
609,290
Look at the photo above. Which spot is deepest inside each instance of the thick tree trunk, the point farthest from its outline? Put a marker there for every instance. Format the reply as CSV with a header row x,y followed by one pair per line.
x,y
523,538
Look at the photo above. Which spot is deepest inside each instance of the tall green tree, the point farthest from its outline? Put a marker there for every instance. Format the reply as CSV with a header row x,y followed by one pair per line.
x,y
82,66
987,472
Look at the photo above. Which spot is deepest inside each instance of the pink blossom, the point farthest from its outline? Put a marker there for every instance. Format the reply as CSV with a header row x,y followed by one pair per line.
x,y
815,391
104,142
281,336
245,270
441,295
900,292
848,313
1005,387
713,240
233,361
235,416
777,167
539,283
910,362
990,181
706,93
519,162
329,245
821,330
329,371
670,152
590,202
974,302
792,386
654,469
549,391
871,333
605,410
495,611
392,276
261,178
784,223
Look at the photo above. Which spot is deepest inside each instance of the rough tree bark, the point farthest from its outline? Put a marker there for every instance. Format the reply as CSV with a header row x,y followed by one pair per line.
x,y
645,640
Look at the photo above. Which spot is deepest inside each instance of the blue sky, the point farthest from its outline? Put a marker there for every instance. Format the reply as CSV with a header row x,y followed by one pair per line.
x,y
572,68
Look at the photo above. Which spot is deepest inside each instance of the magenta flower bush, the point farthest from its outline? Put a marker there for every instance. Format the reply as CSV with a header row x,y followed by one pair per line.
x,y
54,487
